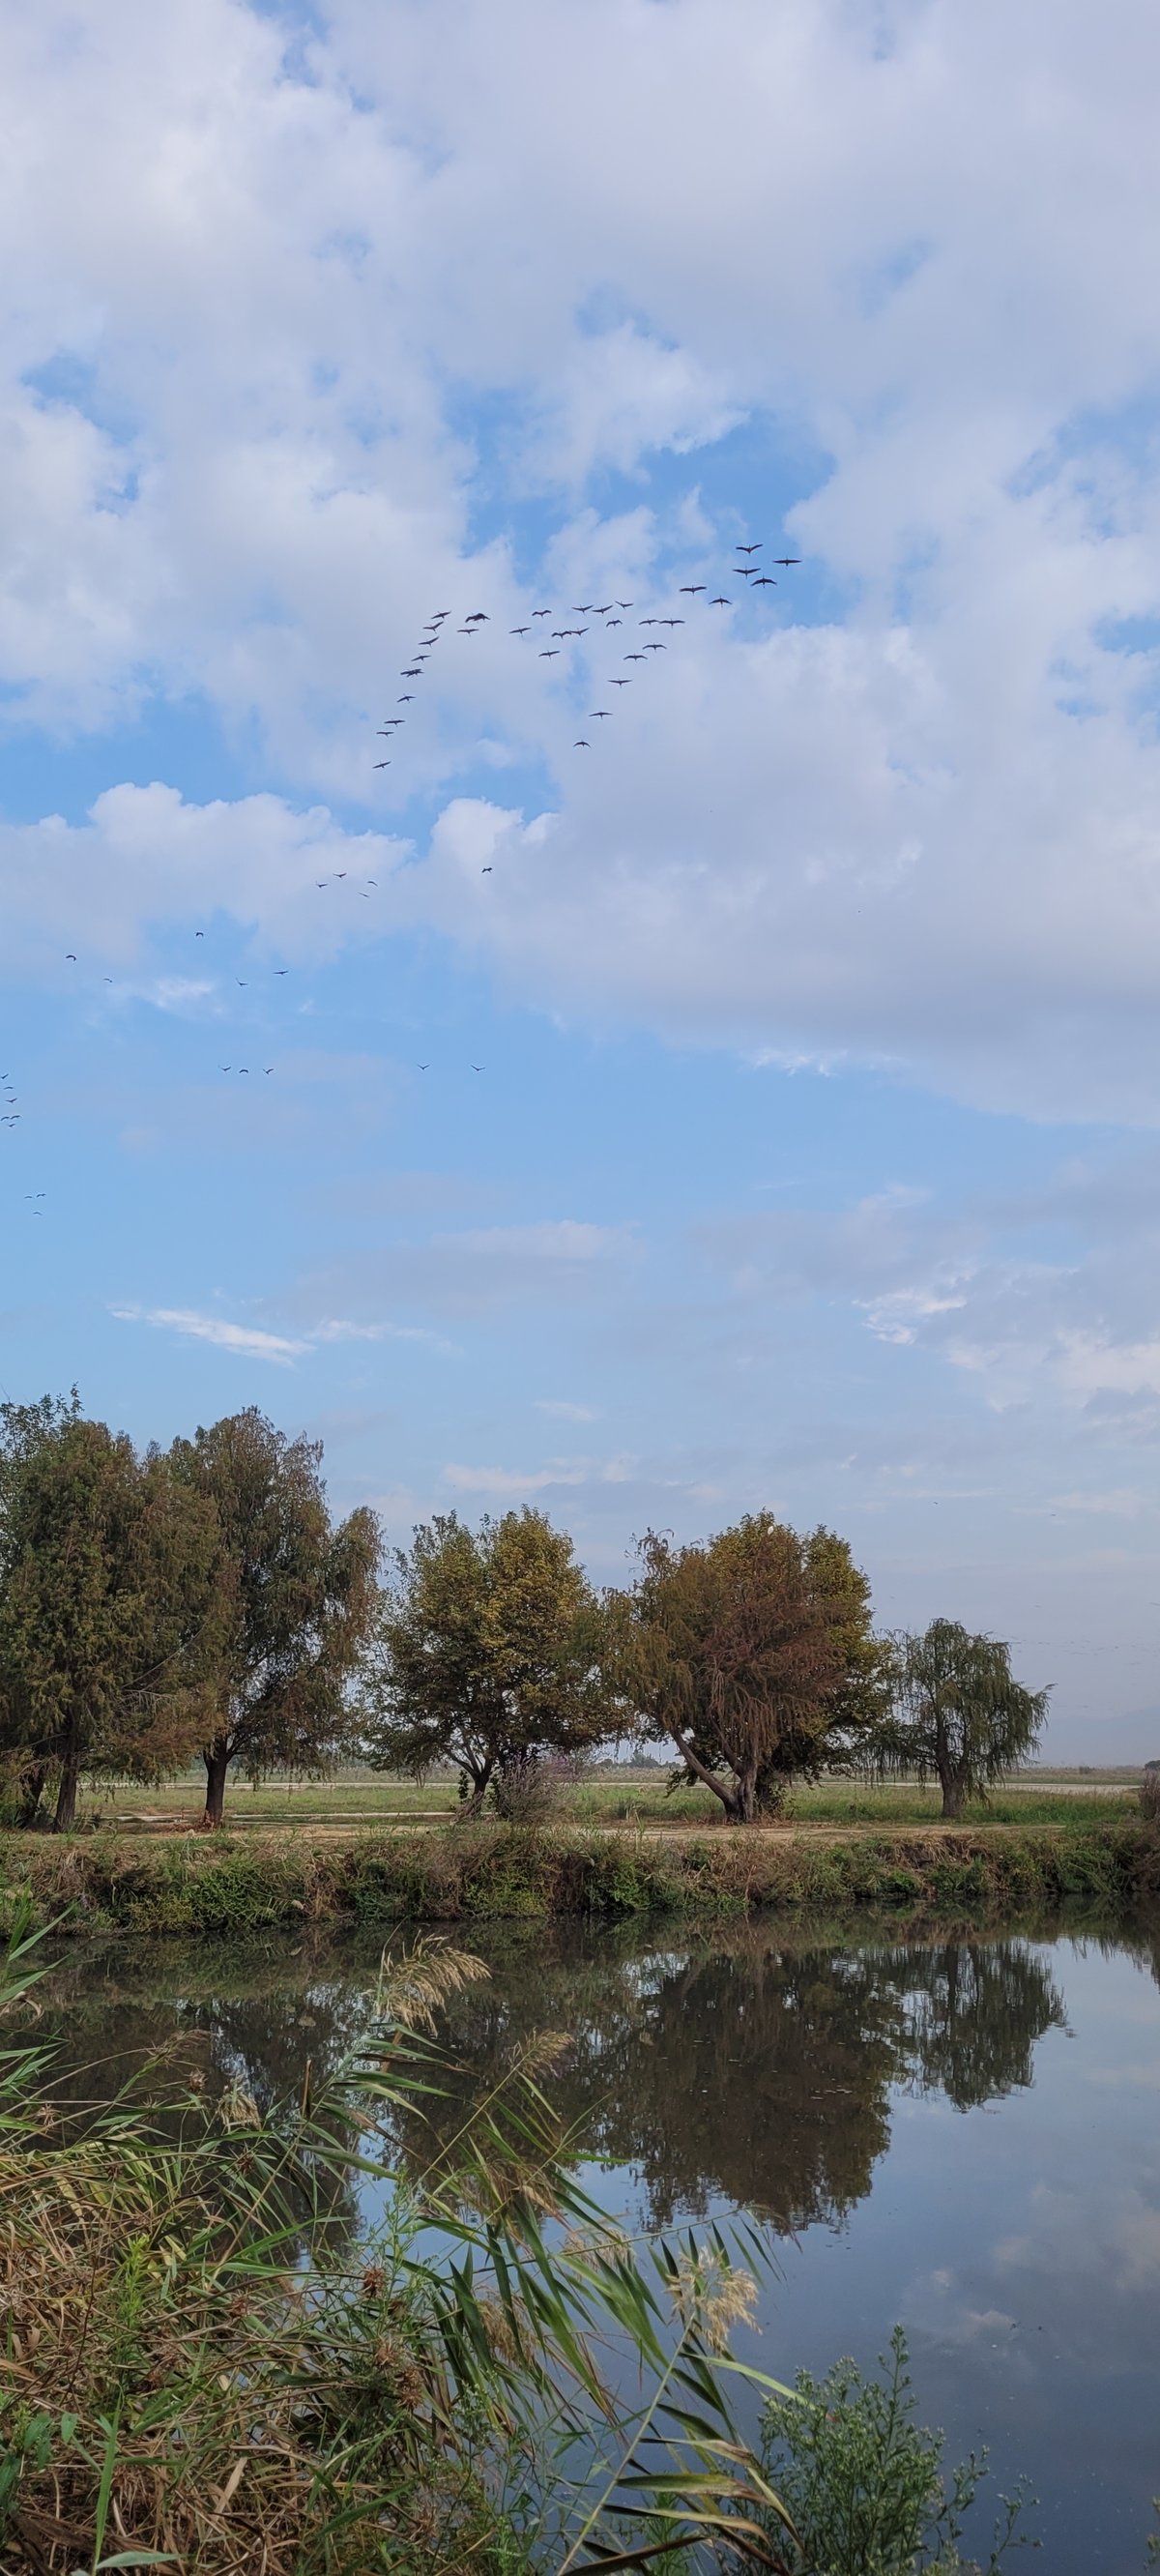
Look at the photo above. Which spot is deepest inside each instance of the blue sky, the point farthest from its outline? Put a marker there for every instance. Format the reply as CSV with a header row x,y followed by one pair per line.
x,y
811,1156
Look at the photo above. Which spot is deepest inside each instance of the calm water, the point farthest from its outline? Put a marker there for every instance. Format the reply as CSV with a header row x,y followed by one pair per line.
x,y
965,2137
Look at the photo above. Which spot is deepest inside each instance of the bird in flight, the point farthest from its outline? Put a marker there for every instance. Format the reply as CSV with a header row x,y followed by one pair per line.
x,y
541,612
199,934
765,581
281,970
598,711
240,982
581,745
670,621
581,608
478,617
413,672
406,700
750,550
689,589
626,603
648,621
551,656
603,612
746,571
70,957
787,559
267,1068
517,630
652,648
477,1068
635,657
620,684
614,621
424,1068
487,871
721,602
381,764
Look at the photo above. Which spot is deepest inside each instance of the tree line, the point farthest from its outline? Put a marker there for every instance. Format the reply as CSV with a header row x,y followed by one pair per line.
x,y
163,1606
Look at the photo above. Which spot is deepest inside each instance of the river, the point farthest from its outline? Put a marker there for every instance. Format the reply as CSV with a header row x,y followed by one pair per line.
x,y
963,2136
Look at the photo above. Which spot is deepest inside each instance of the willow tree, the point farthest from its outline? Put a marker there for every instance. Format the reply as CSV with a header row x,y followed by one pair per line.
x,y
960,1717
490,1653
104,1584
755,1656
292,1601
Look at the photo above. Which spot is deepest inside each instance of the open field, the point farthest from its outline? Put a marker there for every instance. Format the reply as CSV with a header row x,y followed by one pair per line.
x,y
617,1796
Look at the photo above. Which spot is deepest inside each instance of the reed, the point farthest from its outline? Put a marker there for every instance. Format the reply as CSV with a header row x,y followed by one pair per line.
x,y
206,2361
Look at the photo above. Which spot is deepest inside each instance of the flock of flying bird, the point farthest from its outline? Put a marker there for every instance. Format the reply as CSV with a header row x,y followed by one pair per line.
x,y
611,613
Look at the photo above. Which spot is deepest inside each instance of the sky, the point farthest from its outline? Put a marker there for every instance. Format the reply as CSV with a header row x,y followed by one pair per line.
x,y
746,1097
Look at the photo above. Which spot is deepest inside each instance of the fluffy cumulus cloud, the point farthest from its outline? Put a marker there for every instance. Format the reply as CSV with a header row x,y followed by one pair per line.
x,y
306,312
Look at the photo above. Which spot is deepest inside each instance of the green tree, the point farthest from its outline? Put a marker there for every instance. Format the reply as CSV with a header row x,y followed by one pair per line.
x,y
490,1652
104,1568
959,1716
293,1600
755,1655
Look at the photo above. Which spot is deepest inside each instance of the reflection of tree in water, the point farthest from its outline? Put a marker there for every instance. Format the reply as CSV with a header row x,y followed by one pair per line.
x,y
974,2013
758,2072
748,2067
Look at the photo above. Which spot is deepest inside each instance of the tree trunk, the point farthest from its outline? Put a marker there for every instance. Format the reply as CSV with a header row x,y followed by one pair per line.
x,y
216,1759
32,1791
741,1800
953,1798
66,1796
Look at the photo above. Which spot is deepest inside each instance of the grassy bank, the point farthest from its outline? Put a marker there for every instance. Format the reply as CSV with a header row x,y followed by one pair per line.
x,y
193,1884
617,1794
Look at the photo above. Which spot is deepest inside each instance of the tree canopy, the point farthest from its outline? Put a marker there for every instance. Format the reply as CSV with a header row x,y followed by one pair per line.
x,y
490,1652
959,1716
104,1567
292,1600
755,1655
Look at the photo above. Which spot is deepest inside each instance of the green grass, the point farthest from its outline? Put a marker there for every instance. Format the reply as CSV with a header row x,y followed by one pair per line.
x,y
613,1796
238,1883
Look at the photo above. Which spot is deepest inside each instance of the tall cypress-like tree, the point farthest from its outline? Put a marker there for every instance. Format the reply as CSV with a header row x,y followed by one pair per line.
x,y
293,1599
104,1575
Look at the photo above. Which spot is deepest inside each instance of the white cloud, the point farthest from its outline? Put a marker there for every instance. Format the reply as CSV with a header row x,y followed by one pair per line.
x,y
920,832
248,1341
511,1481
252,1341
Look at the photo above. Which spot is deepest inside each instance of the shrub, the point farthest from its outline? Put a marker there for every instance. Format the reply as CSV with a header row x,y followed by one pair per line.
x,y
1150,1793
863,2483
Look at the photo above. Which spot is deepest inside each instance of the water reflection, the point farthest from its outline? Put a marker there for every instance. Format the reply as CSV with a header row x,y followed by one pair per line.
x,y
750,2066
938,2140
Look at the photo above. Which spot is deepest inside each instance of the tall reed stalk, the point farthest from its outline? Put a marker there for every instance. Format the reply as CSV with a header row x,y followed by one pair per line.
x,y
209,2362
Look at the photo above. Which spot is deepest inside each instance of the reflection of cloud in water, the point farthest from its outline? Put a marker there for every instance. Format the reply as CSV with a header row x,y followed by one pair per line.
x,y
1072,2239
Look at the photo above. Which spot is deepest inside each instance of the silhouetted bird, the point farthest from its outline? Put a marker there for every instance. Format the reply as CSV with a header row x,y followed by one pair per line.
x,y
517,630
689,589
581,745
751,550
787,559
620,684
552,655
765,581
721,603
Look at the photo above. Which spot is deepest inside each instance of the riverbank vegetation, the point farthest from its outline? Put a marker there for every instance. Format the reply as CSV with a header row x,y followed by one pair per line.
x,y
212,2358
481,1869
